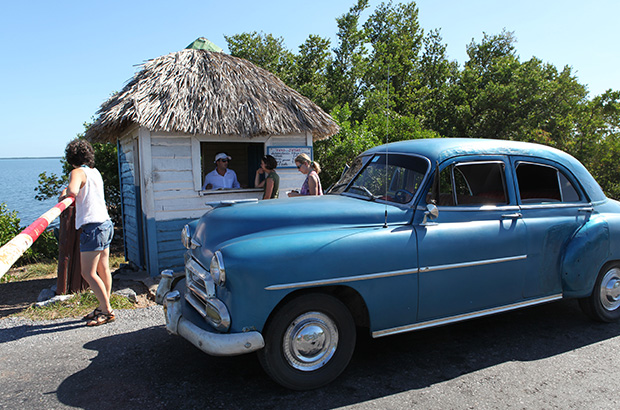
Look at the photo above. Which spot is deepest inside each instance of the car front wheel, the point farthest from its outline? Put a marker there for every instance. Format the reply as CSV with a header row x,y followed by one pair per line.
x,y
308,342
604,303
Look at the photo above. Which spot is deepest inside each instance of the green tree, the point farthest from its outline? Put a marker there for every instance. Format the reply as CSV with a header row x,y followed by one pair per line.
x,y
597,143
394,33
106,161
385,81
497,96
311,69
336,152
265,51
432,101
485,88
51,185
347,68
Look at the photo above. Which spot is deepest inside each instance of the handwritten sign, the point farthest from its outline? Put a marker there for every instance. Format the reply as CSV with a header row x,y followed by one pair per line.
x,y
286,155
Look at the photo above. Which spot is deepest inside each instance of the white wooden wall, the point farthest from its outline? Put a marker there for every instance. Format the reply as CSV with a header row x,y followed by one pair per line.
x,y
171,174
161,181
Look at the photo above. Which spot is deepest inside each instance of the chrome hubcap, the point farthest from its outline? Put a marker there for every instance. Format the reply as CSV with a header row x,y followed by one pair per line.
x,y
310,341
610,290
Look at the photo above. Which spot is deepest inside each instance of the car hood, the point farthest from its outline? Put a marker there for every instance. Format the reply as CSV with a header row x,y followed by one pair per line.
x,y
302,213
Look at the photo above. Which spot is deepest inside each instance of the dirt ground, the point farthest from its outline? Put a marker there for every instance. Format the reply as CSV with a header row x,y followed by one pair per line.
x,y
19,295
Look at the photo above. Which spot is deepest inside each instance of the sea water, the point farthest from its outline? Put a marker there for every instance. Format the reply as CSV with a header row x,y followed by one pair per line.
x,y
18,179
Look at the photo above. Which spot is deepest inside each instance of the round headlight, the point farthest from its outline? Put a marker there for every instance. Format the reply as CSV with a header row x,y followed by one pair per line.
x,y
218,272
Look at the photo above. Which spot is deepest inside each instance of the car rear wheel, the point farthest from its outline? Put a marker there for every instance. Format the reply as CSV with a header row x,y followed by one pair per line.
x,y
604,303
308,342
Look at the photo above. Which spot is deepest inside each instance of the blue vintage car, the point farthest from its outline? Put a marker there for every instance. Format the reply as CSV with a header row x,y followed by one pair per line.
x,y
416,234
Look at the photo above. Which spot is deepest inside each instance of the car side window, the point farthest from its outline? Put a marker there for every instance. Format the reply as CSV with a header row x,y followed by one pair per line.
x,y
539,184
473,183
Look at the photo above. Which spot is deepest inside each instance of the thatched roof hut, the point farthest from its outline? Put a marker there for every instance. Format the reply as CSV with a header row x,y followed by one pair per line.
x,y
202,92
171,119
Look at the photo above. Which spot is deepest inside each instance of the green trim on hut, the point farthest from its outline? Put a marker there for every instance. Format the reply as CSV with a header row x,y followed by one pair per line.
x,y
202,43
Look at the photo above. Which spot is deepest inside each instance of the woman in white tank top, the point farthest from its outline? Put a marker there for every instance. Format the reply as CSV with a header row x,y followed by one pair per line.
x,y
91,214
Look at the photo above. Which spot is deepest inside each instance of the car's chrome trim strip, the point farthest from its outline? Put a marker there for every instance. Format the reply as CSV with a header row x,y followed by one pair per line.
x,y
392,273
473,263
342,280
466,316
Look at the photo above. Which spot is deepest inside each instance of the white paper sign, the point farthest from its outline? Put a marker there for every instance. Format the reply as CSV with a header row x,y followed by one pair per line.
x,y
286,155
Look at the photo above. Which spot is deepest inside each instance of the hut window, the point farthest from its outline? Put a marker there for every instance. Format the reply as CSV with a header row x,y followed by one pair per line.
x,y
245,161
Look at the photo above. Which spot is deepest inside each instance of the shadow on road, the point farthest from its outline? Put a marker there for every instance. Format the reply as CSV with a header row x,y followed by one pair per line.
x,y
22,331
151,368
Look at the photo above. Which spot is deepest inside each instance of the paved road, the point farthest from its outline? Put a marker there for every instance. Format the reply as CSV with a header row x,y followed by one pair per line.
x,y
544,357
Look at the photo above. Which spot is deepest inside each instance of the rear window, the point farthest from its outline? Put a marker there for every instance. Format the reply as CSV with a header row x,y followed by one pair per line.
x,y
539,184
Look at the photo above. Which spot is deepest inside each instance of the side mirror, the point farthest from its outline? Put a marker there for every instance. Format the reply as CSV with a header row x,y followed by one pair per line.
x,y
431,212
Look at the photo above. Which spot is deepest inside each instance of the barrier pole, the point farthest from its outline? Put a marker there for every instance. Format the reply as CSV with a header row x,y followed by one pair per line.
x,y
13,249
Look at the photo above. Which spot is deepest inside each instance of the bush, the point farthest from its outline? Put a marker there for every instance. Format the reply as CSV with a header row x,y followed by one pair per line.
x,y
9,224
44,248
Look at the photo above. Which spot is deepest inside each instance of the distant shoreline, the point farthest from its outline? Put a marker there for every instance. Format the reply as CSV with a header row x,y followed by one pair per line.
x,y
32,158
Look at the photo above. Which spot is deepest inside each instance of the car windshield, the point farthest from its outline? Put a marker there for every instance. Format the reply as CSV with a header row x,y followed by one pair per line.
x,y
390,177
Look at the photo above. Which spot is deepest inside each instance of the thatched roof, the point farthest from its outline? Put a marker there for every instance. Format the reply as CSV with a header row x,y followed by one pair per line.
x,y
203,92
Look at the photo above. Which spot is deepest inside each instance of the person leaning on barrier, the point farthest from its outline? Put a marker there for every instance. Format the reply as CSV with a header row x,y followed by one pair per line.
x,y
221,176
91,214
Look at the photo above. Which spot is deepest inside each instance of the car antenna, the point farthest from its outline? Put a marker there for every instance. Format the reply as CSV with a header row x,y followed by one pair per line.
x,y
387,140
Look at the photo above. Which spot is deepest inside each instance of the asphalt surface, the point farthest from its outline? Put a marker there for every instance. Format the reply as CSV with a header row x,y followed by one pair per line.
x,y
544,357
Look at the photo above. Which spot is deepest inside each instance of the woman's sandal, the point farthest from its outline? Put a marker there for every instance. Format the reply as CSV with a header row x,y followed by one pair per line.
x,y
92,314
101,319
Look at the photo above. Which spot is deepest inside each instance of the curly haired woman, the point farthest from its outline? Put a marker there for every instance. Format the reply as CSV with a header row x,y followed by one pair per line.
x,y
91,214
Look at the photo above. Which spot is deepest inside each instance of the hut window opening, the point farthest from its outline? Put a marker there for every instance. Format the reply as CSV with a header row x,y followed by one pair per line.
x,y
245,161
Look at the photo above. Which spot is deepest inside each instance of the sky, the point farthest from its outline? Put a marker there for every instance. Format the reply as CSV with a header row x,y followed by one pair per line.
x,y
62,59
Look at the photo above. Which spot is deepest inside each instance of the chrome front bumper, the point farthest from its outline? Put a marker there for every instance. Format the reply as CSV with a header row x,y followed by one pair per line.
x,y
210,342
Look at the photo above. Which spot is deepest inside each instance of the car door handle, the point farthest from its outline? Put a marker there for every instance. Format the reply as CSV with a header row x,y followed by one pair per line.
x,y
588,209
512,216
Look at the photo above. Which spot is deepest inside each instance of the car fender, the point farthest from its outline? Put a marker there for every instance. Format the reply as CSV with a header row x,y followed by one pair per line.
x,y
585,254
378,263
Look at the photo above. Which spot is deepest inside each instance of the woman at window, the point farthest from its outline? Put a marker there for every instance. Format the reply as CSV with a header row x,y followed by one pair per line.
x,y
312,184
271,182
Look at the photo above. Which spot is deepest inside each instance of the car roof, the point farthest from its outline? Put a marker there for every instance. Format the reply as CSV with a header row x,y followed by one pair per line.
x,y
440,149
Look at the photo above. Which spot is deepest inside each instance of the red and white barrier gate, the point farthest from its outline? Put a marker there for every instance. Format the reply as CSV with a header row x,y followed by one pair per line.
x,y
12,250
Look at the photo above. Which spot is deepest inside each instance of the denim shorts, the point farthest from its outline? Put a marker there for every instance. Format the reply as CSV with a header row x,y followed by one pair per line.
x,y
96,236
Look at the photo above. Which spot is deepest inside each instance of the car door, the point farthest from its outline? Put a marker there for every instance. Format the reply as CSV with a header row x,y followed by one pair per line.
x,y
472,257
553,207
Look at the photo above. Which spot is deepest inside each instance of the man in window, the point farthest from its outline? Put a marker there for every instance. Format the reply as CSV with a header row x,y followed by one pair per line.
x,y
221,176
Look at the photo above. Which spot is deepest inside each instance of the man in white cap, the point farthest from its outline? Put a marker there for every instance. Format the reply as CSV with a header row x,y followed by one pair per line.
x,y
221,176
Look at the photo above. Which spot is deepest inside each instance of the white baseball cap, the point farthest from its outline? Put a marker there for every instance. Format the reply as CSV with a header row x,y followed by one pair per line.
x,y
222,155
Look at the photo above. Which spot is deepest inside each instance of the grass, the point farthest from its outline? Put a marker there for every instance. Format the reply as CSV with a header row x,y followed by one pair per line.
x,y
36,270
77,306
46,269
